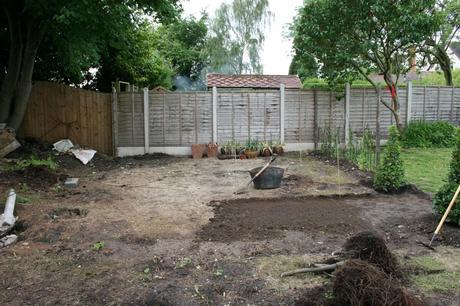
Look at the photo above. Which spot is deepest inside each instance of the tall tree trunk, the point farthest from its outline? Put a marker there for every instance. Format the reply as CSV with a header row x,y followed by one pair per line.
x,y
445,64
395,106
8,86
24,83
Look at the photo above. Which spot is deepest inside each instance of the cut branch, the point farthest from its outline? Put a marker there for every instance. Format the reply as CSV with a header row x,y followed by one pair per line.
x,y
316,269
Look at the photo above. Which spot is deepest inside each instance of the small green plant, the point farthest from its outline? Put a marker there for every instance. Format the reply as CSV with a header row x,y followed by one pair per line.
x,y
98,246
390,173
253,145
443,197
34,161
424,134
183,263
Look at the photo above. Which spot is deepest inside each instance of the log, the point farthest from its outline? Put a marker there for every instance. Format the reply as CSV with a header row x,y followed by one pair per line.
x,y
7,219
317,268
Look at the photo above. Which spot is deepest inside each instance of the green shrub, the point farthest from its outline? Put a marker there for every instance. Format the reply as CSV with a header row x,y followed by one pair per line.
x,y
423,134
390,173
444,195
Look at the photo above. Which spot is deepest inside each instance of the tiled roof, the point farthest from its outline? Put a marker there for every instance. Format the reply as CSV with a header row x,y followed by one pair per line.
x,y
253,81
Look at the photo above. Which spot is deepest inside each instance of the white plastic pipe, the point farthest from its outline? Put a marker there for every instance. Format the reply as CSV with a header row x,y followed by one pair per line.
x,y
8,216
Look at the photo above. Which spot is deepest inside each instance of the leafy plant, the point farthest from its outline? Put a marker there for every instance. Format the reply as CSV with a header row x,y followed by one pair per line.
x,y
423,134
390,173
98,246
443,197
253,145
33,161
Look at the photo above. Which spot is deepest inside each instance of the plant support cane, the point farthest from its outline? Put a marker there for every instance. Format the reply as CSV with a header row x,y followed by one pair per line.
x,y
446,213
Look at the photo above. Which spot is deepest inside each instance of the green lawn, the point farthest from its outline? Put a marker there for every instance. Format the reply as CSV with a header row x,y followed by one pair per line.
x,y
426,168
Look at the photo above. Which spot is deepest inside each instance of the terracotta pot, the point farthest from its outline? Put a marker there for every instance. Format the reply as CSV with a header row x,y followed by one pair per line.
x,y
278,150
212,150
266,152
198,150
251,154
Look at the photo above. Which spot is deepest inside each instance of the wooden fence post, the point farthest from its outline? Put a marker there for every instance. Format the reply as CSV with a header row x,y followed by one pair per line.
x,y
347,113
115,121
146,121
214,114
377,128
282,112
408,102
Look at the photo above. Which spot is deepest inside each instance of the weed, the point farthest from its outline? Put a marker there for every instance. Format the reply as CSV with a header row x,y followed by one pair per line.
x,y
97,246
184,262
34,161
219,272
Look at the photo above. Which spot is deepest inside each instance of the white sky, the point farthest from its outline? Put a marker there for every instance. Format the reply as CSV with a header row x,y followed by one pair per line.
x,y
276,54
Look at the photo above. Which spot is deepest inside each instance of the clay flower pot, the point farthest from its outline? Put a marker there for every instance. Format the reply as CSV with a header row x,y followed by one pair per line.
x,y
198,150
212,149
251,153
278,150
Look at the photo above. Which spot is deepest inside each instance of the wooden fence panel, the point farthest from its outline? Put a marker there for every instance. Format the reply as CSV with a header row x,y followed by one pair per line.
x,y
57,111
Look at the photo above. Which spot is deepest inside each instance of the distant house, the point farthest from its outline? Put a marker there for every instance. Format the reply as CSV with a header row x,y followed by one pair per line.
x,y
252,81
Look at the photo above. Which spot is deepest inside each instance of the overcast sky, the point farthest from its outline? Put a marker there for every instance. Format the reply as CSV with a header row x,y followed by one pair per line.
x,y
276,54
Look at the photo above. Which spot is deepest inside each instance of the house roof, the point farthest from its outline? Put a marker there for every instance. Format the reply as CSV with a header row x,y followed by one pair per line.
x,y
253,81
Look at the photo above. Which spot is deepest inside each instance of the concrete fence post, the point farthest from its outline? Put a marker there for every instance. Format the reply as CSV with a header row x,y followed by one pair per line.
x,y
347,113
146,121
282,112
408,102
214,114
377,128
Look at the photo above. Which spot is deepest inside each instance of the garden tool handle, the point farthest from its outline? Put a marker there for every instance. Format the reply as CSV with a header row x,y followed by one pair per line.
x,y
446,213
272,159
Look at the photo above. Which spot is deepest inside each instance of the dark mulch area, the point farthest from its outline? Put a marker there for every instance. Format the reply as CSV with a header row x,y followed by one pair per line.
x,y
258,219
425,225
36,178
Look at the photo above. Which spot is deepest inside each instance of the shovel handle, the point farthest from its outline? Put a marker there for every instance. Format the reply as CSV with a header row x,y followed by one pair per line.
x,y
272,159
446,213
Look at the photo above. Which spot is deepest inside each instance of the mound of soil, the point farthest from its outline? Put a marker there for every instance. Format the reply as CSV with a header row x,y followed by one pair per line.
x,y
37,178
258,219
360,283
370,247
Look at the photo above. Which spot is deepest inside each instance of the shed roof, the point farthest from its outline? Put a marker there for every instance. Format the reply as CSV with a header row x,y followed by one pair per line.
x,y
253,81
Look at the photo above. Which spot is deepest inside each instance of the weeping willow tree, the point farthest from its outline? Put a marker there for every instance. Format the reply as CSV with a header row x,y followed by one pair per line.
x,y
237,36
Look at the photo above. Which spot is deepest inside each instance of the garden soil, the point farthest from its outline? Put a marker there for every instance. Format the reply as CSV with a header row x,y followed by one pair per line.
x,y
159,229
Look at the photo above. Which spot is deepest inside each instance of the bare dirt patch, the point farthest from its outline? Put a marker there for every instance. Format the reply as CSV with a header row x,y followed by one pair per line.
x,y
257,219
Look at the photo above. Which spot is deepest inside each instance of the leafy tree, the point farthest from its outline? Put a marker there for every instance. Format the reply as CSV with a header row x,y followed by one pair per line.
x,y
74,28
237,36
304,66
436,47
390,173
443,197
183,44
137,61
352,38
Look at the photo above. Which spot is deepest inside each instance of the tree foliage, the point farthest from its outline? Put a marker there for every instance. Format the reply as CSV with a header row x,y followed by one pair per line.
x,y
183,44
435,49
72,33
352,38
237,36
